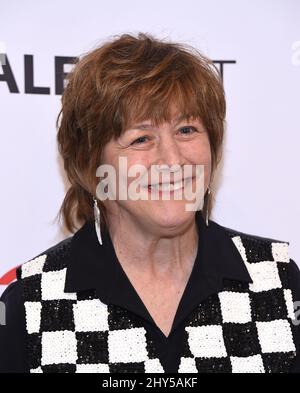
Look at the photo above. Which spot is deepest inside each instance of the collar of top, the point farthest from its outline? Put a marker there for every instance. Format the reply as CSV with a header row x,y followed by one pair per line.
x,y
95,266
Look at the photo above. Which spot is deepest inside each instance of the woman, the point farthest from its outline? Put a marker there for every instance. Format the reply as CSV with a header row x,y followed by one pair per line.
x,y
147,284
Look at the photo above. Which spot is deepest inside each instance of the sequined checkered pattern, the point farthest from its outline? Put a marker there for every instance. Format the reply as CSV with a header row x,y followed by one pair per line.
x,y
243,328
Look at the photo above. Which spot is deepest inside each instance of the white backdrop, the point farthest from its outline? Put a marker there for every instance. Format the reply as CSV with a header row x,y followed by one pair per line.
x,y
258,179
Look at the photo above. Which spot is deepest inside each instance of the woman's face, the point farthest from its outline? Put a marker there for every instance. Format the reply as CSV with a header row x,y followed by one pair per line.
x,y
182,143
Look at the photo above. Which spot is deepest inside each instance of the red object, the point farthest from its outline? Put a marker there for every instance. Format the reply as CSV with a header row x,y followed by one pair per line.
x,y
8,277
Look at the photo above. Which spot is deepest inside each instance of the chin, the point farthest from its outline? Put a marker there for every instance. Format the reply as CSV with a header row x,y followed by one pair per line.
x,y
170,214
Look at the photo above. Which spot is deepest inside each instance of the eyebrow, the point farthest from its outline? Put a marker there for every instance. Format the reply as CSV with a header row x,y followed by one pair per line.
x,y
147,126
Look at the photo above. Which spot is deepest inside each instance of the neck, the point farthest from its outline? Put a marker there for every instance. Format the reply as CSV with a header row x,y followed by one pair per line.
x,y
158,253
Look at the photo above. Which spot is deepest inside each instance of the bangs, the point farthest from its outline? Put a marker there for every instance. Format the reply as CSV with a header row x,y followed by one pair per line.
x,y
169,81
170,98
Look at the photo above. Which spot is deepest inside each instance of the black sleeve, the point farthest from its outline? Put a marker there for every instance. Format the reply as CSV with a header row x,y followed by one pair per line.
x,y
295,283
13,353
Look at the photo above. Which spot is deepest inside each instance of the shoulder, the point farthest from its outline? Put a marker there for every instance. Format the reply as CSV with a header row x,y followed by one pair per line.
x,y
54,258
262,253
234,232
254,248
267,259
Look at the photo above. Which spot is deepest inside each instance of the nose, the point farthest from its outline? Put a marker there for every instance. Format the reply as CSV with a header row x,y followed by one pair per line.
x,y
169,159
169,152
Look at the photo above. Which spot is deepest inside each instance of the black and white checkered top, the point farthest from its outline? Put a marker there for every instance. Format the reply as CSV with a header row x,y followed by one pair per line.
x,y
245,327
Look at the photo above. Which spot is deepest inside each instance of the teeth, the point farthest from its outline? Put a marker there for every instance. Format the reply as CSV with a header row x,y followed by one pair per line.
x,y
167,186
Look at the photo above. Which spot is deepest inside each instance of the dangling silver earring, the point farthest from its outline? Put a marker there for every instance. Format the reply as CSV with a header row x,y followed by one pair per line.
x,y
207,206
97,220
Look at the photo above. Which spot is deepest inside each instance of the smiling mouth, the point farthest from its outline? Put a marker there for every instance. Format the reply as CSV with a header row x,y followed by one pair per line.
x,y
171,186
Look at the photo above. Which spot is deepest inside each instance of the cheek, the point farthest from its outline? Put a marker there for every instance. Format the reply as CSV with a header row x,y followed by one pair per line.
x,y
123,173
199,152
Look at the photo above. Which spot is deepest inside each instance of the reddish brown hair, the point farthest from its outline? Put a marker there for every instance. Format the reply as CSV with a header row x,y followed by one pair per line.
x,y
130,78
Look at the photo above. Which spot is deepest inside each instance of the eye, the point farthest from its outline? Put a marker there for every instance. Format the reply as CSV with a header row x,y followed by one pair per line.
x,y
194,129
139,140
